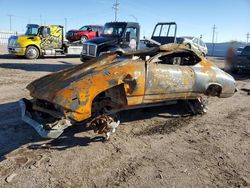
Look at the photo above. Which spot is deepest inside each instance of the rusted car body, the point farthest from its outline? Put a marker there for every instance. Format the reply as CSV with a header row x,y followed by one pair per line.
x,y
108,84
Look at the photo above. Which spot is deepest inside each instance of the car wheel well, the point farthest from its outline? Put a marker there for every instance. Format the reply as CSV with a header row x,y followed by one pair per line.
x,y
34,46
188,45
213,90
85,38
112,99
119,53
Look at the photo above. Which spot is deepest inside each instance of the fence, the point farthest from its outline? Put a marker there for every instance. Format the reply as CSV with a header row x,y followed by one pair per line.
x,y
4,36
220,49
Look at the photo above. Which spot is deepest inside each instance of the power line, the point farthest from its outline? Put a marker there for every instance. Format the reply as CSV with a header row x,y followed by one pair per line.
x,y
134,17
116,8
41,22
65,25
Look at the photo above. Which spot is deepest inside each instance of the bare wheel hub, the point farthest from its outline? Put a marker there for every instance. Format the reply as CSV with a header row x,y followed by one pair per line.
x,y
104,124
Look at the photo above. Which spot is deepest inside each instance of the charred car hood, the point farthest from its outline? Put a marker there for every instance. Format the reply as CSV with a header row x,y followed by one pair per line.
x,y
47,87
104,40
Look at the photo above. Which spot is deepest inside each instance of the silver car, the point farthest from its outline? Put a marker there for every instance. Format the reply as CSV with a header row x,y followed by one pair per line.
x,y
195,44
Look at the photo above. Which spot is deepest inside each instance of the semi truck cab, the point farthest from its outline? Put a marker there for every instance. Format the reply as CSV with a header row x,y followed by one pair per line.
x,y
118,37
40,41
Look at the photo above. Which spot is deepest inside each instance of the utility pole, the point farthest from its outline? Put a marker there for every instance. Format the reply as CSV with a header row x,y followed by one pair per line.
x,y
116,8
41,23
248,36
214,27
10,20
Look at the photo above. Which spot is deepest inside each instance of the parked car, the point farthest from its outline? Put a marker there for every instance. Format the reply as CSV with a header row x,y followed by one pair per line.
x,y
195,44
84,33
92,91
240,62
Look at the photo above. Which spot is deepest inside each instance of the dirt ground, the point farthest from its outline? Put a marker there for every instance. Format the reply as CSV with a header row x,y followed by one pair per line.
x,y
154,147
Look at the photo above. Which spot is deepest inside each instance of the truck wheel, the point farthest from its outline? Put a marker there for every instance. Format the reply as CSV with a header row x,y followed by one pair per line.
x,y
83,39
32,52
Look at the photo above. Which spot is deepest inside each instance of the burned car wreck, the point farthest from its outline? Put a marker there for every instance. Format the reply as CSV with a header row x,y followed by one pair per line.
x,y
92,91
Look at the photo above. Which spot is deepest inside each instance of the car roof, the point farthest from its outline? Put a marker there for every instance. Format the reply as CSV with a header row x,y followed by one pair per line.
x,y
188,37
92,26
168,48
128,23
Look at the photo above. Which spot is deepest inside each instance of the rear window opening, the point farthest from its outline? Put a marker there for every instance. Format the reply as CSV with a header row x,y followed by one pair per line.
x,y
181,58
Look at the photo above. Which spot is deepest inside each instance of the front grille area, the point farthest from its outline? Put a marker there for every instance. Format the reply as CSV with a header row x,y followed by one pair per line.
x,y
92,50
12,43
89,49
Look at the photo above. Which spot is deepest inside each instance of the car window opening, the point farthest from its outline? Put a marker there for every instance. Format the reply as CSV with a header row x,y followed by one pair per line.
x,y
183,59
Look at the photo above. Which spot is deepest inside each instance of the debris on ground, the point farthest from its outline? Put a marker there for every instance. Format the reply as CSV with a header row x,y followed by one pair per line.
x,y
10,177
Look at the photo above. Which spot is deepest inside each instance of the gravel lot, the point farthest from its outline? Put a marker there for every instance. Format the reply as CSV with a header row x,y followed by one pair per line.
x,y
152,147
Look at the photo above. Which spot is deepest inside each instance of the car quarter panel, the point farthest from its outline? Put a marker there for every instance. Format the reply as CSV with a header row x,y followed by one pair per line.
x,y
206,74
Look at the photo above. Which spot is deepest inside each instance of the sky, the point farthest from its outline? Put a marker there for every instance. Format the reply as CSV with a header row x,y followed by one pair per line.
x,y
193,17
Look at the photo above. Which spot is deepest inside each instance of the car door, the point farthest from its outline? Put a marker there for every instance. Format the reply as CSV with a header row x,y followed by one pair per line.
x,y
95,31
51,37
195,44
46,42
167,80
91,32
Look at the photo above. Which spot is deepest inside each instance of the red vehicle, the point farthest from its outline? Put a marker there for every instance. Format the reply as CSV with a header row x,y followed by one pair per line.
x,y
84,33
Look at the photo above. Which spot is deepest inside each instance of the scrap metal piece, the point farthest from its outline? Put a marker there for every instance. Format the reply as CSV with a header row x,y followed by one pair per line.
x,y
246,90
26,117
104,124
197,106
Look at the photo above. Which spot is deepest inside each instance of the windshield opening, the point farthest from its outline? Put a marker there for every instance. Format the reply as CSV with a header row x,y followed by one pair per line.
x,y
113,29
32,30
84,28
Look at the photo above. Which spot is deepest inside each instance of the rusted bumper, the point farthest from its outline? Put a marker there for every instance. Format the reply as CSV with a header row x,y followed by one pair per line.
x,y
27,117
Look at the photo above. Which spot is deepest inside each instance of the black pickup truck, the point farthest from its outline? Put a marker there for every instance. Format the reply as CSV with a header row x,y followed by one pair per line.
x,y
120,37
